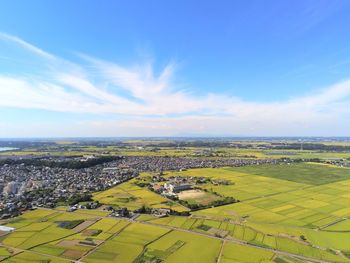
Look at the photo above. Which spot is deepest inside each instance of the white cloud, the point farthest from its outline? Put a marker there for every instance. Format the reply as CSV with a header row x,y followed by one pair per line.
x,y
26,45
147,100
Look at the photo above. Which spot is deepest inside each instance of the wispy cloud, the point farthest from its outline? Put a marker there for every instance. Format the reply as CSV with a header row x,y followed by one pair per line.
x,y
24,44
154,103
315,12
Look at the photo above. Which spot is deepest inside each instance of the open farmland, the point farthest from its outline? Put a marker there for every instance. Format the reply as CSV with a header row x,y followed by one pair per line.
x,y
307,173
157,148
41,226
180,245
134,197
242,186
25,257
297,217
234,252
277,219
76,246
258,235
113,240
179,131
128,245
318,212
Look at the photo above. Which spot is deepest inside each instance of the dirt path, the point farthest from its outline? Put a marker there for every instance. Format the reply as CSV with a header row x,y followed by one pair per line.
x,y
221,250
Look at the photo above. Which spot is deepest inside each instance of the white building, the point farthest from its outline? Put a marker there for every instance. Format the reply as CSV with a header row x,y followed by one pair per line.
x,y
6,229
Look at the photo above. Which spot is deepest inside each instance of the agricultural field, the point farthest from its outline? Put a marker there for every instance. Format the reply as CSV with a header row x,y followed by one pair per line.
x,y
5,252
235,252
88,238
307,215
251,150
307,173
128,245
242,186
134,197
42,226
106,239
24,257
181,245
257,235
286,213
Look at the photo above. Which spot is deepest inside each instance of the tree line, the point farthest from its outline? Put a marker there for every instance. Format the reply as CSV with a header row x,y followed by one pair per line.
x,y
70,164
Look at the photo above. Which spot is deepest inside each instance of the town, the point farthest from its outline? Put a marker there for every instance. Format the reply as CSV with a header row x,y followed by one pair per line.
x,y
25,186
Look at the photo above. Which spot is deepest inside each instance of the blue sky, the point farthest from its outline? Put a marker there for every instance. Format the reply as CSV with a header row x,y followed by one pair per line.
x,y
170,68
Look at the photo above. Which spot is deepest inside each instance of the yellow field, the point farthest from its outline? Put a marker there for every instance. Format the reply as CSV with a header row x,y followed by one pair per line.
x,y
133,197
307,219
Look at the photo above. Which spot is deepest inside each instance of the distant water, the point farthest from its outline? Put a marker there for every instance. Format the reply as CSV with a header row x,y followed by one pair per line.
x,y
3,149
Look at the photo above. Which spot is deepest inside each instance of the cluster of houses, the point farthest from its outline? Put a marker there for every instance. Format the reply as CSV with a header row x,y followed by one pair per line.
x,y
341,162
24,186
162,163
88,205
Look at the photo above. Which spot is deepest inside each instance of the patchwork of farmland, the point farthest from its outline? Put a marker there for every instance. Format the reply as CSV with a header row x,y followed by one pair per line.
x,y
310,212
308,173
286,213
134,197
316,213
109,240
242,186
265,236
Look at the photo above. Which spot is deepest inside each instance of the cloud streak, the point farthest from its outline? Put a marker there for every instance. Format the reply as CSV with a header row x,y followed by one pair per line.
x,y
154,103
26,45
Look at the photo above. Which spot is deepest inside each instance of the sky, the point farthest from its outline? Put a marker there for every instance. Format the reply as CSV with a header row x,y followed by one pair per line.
x,y
174,68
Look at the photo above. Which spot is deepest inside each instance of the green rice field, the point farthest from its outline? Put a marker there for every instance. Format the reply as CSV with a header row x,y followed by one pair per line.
x,y
133,197
299,209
